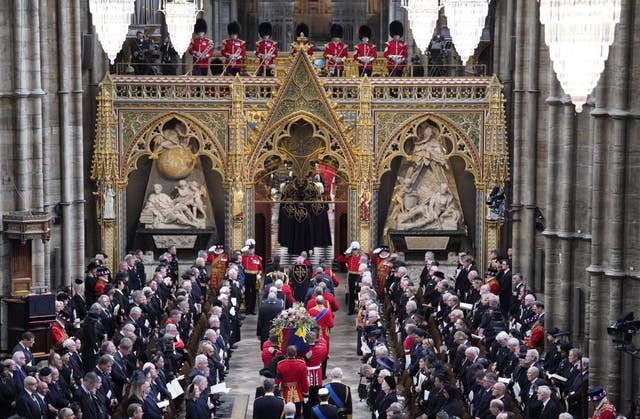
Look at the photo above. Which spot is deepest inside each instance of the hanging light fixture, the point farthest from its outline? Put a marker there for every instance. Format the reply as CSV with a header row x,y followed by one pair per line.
x,y
111,19
180,16
465,19
422,16
579,34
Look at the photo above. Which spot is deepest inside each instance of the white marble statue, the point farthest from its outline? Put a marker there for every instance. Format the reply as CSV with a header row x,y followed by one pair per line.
x,y
182,212
108,205
422,198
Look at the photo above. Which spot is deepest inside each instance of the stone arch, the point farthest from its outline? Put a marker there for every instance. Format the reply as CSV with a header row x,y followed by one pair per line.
x,y
335,150
457,141
141,144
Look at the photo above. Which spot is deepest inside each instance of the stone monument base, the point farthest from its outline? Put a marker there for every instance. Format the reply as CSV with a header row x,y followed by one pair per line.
x,y
187,241
415,242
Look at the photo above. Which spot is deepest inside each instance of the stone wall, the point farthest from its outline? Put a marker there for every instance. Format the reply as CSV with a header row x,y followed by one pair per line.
x,y
579,170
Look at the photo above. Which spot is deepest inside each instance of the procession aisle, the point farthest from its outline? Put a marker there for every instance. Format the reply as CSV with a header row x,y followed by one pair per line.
x,y
246,361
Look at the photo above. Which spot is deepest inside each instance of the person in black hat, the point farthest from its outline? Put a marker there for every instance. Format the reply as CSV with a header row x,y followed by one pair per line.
x,y
233,50
201,48
266,51
301,41
90,281
395,50
365,53
335,52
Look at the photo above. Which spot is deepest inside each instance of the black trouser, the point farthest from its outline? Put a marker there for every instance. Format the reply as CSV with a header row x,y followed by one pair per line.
x,y
365,72
250,292
354,284
265,72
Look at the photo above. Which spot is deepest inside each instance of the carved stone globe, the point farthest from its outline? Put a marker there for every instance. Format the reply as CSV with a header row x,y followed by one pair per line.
x,y
176,163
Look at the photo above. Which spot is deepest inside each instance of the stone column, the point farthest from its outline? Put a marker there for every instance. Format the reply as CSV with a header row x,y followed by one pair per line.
x,y
525,140
564,275
615,181
77,268
551,279
65,134
367,224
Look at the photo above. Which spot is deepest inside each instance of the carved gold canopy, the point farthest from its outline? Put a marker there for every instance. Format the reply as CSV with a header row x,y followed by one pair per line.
x,y
244,126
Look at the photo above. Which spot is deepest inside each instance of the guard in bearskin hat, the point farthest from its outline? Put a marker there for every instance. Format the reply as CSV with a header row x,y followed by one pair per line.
x,y
335,52
395,50
302,41
233,50
201,48
266,51
365,53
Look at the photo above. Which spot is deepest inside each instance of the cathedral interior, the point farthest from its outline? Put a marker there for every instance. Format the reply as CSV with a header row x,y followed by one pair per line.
x,y
105,155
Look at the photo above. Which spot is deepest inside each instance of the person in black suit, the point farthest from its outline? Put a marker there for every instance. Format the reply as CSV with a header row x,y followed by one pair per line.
x,y
324,409
549,408
339,394
119,371
27,404
505,281
86,397
90,281
24,346
197,407
463,286
268,406
92,336
269,310
8,390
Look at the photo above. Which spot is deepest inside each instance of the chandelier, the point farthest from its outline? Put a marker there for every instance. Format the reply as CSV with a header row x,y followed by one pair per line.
x,y
465,19
579,34
111,19
422,16
180,15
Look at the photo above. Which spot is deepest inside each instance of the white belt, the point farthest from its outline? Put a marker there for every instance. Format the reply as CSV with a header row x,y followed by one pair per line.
x,y
313,368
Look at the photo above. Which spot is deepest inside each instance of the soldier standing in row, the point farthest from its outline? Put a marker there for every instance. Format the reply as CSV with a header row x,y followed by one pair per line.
x,y
336,52
266,51
201,48
395,50
365,53
302,41
233,50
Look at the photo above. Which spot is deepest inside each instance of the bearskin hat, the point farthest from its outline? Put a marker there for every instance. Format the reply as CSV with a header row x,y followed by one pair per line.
x,y
200,26
336,31
396,28
264,29
302,28
364,32
233,28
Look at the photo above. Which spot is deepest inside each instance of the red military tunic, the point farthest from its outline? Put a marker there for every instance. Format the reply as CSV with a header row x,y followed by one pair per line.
x,y
269,351
329,301
266,51
353,264
291,374
58,333
219,265
396,54
315,357
234,51
335,53
202,50
365,55
252,264
334,278
324,319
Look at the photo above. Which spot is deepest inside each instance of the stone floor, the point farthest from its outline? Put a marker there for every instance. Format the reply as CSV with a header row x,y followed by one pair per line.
x,y
246,361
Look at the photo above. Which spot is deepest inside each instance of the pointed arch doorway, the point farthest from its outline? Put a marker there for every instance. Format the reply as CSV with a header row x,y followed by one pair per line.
x,y
301,192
